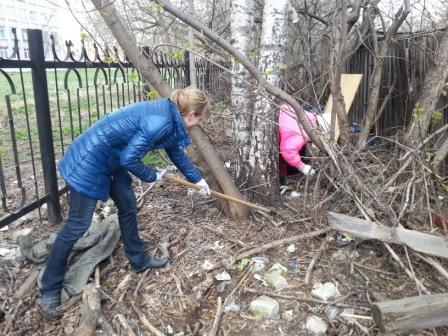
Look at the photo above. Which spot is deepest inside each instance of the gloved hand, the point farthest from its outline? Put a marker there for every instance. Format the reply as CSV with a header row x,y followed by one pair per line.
x,y
205,190
160,173
307,170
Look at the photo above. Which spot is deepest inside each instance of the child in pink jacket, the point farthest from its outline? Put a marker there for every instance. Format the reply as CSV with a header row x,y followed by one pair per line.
x,y
293,139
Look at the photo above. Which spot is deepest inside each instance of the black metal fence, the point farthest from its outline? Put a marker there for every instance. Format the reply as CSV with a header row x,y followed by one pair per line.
x,y
45,104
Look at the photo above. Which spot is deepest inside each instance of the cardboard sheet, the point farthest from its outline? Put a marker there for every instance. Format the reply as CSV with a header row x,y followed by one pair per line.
x,y
349,86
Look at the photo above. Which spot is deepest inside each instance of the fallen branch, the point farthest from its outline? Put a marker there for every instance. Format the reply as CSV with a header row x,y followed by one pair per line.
x,y
316,256
28,285
418,241
148,326
218,316
281,242
90,311
222,234
434,263
125,325
412,313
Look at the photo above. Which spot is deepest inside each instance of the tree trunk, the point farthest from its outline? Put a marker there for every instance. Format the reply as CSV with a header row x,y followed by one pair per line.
x,y
430,94
262,163
148,70
375,82
441,154
339,34
282,95
243,36
193,78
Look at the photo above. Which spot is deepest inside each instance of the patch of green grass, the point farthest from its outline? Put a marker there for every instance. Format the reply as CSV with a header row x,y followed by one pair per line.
x,y
153,158
63,104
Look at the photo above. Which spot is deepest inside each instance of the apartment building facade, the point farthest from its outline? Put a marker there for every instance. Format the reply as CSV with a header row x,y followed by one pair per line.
x,y
34,14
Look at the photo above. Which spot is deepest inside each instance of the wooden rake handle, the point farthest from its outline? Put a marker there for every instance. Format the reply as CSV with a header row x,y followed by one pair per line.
x,y
179,180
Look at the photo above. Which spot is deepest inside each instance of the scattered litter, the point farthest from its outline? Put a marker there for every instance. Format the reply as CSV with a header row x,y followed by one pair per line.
x,y
315,325
331,312
227,164
171,168
180,333
223,276
217,245
169,329
260,263
261,279
221,287
291,248
207,265
264,306
295,194
288,315
243,264
107,210
293,267
343,239
354,254
232,307
279,268
325,291
276,280
347,314
5,228
4,251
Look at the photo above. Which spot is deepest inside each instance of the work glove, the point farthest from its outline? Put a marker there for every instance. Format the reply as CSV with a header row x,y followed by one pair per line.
x,y
205,190
306,170
160,173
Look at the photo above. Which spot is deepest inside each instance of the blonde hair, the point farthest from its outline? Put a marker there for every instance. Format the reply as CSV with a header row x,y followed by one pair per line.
x,y
190,99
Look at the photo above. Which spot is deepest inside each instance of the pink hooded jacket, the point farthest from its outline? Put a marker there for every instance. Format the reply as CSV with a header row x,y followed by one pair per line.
x,y
291,135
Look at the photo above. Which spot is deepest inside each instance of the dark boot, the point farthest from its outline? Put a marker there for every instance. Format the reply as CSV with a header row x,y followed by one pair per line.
x,y
48,308
283,181
153,262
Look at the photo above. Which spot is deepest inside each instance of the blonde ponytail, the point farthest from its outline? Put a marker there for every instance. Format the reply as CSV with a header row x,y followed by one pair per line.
x,y
190,99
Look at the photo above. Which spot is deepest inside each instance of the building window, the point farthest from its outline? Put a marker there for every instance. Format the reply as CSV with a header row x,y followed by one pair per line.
x,y
33,17
24,35
26,53
2,33
4,52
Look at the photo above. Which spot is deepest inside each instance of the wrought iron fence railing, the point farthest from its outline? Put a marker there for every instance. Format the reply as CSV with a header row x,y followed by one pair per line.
x,y
46,103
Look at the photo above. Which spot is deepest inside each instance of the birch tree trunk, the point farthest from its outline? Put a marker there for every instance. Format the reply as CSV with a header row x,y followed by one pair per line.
x,y
262,162
263,84
243,39
149,71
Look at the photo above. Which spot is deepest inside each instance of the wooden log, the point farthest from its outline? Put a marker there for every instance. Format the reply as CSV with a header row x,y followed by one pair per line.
x,y
412,313
90,311
29,284
418,241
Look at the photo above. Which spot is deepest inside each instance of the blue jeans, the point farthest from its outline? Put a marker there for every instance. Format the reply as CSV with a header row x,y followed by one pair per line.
x,y
78,222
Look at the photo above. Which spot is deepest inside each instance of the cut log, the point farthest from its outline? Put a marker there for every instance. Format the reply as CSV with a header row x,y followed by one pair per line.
x,y
418,241
28,285
90,311
412,313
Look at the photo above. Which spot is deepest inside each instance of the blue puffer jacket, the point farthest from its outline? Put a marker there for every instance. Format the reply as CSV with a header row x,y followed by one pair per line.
x,y
117,142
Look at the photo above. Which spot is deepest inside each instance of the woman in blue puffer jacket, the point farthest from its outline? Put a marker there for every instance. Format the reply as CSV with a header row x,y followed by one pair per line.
x,y
97,165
